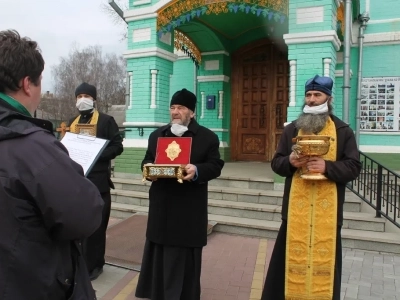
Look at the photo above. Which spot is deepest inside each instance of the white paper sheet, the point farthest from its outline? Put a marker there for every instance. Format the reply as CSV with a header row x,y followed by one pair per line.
x,y
83,149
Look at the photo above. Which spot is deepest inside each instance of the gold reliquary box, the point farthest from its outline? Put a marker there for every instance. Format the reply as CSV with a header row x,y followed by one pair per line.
x,y
172,155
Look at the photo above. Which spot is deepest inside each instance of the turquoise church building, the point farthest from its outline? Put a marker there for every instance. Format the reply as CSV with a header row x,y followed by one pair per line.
x,y
247,62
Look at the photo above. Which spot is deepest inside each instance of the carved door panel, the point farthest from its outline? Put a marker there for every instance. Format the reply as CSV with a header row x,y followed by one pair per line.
x,y
281,97
259,102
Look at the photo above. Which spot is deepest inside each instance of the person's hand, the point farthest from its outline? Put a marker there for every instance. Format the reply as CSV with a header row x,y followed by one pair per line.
x,y
316,165
298,161
190,172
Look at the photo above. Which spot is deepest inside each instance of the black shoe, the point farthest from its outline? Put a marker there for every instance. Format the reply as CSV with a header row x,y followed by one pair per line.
x,y
95,273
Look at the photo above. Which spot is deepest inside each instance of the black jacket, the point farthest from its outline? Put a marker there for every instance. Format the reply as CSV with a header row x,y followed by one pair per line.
x,y
346,168
46,206
178,213
107,129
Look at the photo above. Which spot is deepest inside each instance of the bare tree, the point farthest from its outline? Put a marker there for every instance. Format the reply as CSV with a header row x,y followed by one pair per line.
x,y
115,18
106,72
49,109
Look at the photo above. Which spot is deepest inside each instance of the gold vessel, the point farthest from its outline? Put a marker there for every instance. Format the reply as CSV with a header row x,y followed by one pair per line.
x,y
154,171
311,145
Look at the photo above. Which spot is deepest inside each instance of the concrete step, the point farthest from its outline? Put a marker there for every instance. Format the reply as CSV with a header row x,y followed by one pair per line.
x,y
373,241
237,182
272,197
351,238
352,220
363,221
130,197
353,204
131,184
123,211
245,195
214,192
245,226
243,182
244,210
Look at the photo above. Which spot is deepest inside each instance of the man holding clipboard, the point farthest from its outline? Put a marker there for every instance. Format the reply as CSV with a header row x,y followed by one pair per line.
x,y
46,204
93,123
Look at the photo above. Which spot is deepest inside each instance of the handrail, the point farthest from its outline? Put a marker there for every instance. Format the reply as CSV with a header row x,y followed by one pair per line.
x,y
379,187
141,125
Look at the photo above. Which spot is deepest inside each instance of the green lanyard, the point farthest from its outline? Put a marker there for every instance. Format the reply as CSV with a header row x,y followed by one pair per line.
x,y
14,103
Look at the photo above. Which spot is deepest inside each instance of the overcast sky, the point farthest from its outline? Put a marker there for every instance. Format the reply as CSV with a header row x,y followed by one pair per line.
x,y
59,24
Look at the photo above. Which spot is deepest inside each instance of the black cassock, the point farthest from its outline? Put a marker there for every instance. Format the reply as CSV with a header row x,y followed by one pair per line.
x,y
169,273
177,221
94,247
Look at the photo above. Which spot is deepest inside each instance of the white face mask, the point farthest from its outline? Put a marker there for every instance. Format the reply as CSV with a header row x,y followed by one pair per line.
x,y
316,110
178,129
84,103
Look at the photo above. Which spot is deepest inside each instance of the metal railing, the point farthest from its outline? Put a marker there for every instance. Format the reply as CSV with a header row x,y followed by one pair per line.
x,y
380,188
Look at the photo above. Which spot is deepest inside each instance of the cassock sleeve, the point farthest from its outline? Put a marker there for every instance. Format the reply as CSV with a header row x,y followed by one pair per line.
x,y
114,147
347,167
280,163
149,157
212,167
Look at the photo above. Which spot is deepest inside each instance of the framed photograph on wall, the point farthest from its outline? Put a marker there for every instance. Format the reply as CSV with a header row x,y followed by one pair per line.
x,y
379,105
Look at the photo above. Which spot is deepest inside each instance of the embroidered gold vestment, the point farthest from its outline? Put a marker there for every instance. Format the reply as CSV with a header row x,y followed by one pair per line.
x,y
93,121
311,234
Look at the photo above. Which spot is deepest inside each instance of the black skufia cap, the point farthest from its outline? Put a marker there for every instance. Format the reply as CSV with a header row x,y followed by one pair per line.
x,y
185,98
87,89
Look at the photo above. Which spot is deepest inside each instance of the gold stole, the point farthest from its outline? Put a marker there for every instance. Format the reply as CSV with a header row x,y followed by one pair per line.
x,y
311,233
93,121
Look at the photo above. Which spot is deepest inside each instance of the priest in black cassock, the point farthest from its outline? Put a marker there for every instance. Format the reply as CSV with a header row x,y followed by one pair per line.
x,y
105,127
306,262
177,220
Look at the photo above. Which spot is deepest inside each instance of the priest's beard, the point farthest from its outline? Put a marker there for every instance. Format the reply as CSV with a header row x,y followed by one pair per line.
x,y
313,124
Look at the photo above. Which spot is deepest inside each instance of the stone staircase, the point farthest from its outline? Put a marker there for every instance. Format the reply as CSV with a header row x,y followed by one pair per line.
x,y
253,207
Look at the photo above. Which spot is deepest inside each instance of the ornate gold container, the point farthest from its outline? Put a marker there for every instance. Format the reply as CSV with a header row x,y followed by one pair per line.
x,y
154,171
311,145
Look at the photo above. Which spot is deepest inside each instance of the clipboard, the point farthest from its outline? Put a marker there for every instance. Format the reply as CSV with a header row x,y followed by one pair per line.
x,y
84,149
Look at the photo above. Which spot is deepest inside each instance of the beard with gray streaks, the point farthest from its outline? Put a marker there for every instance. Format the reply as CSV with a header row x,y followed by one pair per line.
x,y
313,124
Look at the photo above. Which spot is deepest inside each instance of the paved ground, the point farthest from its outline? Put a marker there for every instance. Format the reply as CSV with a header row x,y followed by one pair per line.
x,y
234,268
370,275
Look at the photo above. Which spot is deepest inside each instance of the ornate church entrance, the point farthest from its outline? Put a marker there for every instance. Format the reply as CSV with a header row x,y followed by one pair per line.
x,y
260,87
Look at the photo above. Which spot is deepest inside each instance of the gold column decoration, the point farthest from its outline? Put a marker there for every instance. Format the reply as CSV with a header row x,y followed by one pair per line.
x,y
180,11
184,43
340,16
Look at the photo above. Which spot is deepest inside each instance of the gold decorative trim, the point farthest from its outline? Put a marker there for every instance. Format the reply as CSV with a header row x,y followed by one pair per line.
x,y
152,172
173,150
86,129
217,8
185,10
340,17
184,43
